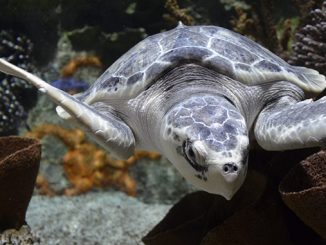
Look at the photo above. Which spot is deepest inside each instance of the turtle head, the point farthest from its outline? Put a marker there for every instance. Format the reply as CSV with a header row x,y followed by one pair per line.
x,y
206,138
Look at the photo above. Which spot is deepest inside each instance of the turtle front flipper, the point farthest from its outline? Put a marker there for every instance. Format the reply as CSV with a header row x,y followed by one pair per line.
x,y
283,125
105,127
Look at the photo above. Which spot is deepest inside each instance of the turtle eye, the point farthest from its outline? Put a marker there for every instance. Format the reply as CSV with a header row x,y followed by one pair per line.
x,y
191,156
189,151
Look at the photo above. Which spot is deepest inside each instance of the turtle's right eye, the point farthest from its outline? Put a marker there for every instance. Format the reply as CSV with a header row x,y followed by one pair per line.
x,y
188,151
190,155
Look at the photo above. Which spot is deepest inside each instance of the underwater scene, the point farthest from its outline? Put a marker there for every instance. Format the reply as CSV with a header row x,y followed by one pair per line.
x,y
162,122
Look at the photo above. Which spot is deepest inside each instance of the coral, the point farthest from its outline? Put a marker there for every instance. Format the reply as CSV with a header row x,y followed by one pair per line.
x,y
177,13
230,4
80,61
261,23
87,166
309,48
268,20
256,23
305,6
15,48
43,186
70,138
70,84
285,33
38,19
266,24
19,164
17,96
244,24
11,111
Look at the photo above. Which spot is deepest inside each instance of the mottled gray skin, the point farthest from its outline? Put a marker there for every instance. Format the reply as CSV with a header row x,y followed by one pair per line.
x,y
194,103
188,117
210,119
198,95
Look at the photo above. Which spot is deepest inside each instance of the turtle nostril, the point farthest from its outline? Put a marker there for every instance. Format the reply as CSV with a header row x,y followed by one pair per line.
x,y
230,168
226,168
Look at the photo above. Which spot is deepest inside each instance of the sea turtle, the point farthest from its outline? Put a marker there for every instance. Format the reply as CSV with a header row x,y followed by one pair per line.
x,y
199,95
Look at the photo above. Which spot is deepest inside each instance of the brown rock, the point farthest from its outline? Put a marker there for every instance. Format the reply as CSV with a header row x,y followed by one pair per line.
x,y
197,213
304,191
19,164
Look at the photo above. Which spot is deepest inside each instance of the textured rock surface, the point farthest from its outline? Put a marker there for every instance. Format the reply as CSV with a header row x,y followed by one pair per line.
x,y
19,164
309,48
159,181
51,168
304,191
23,236
95,218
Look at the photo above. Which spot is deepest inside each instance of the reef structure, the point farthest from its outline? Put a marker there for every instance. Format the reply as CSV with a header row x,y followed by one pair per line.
x,y
17,96
68,82
80,61
87,166
177,13
309,48
16,48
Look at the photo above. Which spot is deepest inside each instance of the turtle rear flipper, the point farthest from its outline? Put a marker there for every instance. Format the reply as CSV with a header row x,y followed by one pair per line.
x,y
100,120
309,79
281,126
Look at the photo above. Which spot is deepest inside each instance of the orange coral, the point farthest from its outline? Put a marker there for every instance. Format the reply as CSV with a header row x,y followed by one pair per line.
x,y
87,166
177,13
43,186
70,69
244,24
70,138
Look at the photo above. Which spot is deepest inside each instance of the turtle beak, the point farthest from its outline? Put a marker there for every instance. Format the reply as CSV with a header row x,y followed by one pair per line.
x,y
235,175
226,179
228,196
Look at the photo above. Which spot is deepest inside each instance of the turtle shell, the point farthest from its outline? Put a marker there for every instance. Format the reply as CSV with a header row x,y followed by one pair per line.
x,y
227,52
